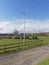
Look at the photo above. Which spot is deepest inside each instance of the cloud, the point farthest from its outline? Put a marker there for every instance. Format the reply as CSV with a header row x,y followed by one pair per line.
x,y
31,25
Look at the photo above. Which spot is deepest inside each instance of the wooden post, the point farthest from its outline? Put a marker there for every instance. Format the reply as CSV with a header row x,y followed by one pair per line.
x,y
4,48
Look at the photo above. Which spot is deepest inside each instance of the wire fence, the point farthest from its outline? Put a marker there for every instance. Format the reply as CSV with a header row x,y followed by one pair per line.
x,y
15,48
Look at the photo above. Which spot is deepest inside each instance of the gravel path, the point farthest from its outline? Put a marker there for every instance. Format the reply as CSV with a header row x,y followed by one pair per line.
x,y
29,57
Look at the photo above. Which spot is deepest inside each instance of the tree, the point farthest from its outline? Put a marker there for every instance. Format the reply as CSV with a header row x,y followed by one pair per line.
x,y
16,32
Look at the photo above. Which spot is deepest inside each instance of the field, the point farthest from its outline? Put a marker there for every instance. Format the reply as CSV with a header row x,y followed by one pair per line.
x,y
8,46
44,62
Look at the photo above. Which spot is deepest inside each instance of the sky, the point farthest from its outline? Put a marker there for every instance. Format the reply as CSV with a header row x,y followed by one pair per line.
x,y
12,15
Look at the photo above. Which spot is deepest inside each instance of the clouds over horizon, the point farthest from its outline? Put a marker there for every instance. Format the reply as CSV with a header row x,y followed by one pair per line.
x,y
31,25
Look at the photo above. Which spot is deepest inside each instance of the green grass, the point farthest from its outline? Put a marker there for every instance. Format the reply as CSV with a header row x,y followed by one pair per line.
x,y
17,45
44,62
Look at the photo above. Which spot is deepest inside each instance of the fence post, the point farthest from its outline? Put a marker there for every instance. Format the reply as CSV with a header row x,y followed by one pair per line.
x,y
5,48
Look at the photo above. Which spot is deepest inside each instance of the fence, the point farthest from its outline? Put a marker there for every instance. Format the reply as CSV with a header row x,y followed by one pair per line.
x,y
10,47
15,48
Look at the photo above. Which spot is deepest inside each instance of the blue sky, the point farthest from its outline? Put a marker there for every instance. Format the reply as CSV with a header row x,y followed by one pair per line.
x,y
37,15
34,9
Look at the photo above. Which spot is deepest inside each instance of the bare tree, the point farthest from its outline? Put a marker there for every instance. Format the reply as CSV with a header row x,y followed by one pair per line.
x,y
16,32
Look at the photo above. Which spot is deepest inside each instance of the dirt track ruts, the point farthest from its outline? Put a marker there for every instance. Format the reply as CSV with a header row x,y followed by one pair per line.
x,y
29,57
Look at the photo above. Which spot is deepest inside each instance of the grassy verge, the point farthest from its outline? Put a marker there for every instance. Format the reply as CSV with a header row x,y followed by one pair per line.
x,y
17,45
44,62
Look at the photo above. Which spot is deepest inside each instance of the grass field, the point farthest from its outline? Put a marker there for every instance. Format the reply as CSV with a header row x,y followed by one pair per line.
x,y
44,62
16,45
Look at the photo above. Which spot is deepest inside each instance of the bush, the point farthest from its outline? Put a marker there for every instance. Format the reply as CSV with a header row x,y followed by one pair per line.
x,y
34,37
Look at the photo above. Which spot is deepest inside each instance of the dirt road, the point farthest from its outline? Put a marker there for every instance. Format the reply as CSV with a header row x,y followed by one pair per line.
x,y
29,57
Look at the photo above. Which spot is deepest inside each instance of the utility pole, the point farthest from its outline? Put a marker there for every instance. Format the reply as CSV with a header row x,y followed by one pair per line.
x,y
24,31
24,28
